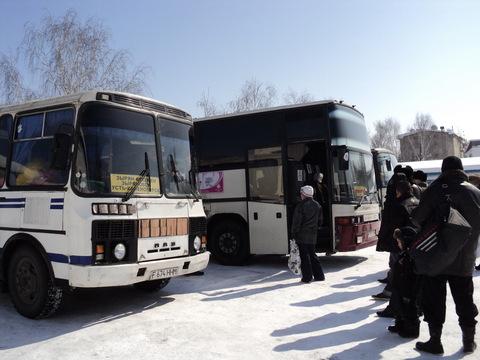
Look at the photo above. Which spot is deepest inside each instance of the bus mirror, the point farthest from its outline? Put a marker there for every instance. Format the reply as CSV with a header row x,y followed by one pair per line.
x,y
343,159
388,163
61,152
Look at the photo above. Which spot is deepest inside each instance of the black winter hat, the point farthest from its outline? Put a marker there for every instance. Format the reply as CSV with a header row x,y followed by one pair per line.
x,y
452,163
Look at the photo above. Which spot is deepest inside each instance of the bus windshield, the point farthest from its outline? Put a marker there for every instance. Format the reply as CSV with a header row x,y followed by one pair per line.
x,y
358,181
176,159
114,147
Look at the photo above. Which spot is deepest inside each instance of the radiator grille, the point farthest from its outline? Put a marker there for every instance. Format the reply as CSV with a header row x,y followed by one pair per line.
x,y
114,229
198,226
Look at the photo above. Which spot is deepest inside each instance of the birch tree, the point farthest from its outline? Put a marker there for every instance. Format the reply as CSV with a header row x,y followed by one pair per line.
x,y
64,56
386,135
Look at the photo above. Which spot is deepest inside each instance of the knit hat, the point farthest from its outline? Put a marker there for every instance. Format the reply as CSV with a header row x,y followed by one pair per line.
x,y
452,163
307,190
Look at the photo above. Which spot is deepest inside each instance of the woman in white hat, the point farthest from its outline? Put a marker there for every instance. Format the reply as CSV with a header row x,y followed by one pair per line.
x,y
307,217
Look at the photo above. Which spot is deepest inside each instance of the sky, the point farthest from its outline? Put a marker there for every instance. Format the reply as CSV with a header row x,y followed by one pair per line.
x,y
389,58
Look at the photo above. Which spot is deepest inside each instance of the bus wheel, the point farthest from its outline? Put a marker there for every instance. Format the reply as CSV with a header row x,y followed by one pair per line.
x,y
229,243
31,288
152,286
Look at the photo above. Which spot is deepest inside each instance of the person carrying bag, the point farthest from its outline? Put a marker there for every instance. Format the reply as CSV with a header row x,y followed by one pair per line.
x,y
446,254
439,243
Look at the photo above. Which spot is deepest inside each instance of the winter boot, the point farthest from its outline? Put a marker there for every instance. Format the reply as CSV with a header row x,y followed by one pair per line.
x,y
410,329
397,327
434,345
469,344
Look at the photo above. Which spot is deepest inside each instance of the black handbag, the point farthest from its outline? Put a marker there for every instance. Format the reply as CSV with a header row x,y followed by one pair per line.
x,y
438,244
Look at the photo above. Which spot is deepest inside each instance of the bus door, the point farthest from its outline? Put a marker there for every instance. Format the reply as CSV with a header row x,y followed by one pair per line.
x,y
306,161
267,216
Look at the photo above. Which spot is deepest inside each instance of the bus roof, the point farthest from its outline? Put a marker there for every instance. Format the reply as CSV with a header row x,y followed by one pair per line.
x,y
277,108
118,97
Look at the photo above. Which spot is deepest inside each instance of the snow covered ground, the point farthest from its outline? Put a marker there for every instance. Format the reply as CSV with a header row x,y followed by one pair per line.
x,y
260,311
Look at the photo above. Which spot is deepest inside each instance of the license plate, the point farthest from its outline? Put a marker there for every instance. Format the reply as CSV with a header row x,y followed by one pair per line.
x,y
163,273
359,239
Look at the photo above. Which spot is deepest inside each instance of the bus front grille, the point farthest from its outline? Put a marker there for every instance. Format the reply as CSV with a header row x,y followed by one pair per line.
x,y
114,229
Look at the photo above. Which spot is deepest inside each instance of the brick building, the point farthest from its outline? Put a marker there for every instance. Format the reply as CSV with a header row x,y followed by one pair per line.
x,y
430,145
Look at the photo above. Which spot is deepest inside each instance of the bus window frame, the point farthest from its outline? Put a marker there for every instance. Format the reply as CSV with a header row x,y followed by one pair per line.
x,y
161,168
75,151
43,110
11,118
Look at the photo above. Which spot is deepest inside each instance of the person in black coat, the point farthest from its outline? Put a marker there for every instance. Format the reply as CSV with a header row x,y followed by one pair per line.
x,y
419,178
385,235
400,216
475,181
307,217
451,186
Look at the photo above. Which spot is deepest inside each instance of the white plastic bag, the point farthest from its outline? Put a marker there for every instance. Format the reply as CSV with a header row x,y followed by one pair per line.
x,y
294,258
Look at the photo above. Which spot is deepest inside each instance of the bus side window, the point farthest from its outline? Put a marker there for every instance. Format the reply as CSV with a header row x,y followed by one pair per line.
x,y
5,133
33,155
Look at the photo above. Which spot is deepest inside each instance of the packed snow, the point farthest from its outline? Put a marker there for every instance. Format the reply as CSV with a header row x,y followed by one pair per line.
x,y
259,311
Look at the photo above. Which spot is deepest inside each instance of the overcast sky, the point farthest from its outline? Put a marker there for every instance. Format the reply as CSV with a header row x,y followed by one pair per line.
x,y
390,58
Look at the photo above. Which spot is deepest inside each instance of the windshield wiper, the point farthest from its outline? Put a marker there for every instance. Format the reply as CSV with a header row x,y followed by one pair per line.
x,y
145,172
173,165
193,191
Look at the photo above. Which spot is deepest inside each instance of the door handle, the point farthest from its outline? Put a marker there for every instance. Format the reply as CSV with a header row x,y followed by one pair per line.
x,y
255,216
279,215
3,198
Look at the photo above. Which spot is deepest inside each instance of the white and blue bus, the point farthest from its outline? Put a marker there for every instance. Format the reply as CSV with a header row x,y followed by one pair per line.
x,y
384,161
433,168
96,190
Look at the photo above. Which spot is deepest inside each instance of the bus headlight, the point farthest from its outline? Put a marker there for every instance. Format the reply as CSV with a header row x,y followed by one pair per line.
x,y
119,251
197,243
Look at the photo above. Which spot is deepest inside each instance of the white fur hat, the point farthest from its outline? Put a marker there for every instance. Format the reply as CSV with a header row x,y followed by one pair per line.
x,y
307,190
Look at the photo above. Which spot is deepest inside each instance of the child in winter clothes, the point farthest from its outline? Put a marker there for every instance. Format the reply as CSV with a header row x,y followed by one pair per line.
x,y
406,285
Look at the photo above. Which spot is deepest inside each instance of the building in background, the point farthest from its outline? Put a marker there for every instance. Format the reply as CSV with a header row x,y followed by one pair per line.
x,y
430,144
473,149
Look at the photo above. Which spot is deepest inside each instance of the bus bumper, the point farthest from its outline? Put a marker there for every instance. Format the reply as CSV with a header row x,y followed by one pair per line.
x,y
357,236
127,274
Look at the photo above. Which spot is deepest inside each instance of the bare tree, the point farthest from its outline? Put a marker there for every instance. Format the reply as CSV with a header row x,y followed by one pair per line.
x,y
386,135
253,95
11,83
293,97
67,56
420,137
207,105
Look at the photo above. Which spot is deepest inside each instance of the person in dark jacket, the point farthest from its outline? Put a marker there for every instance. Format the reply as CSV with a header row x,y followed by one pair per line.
x,y
475,181
400,213
451,187
419,178
406,284
385,235
307,217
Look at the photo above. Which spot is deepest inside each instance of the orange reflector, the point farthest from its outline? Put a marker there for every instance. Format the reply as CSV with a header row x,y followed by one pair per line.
x,y
100,249
204,239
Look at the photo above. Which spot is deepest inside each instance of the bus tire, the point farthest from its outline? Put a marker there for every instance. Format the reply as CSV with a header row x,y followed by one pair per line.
x,y
31,288
152,286
230,243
